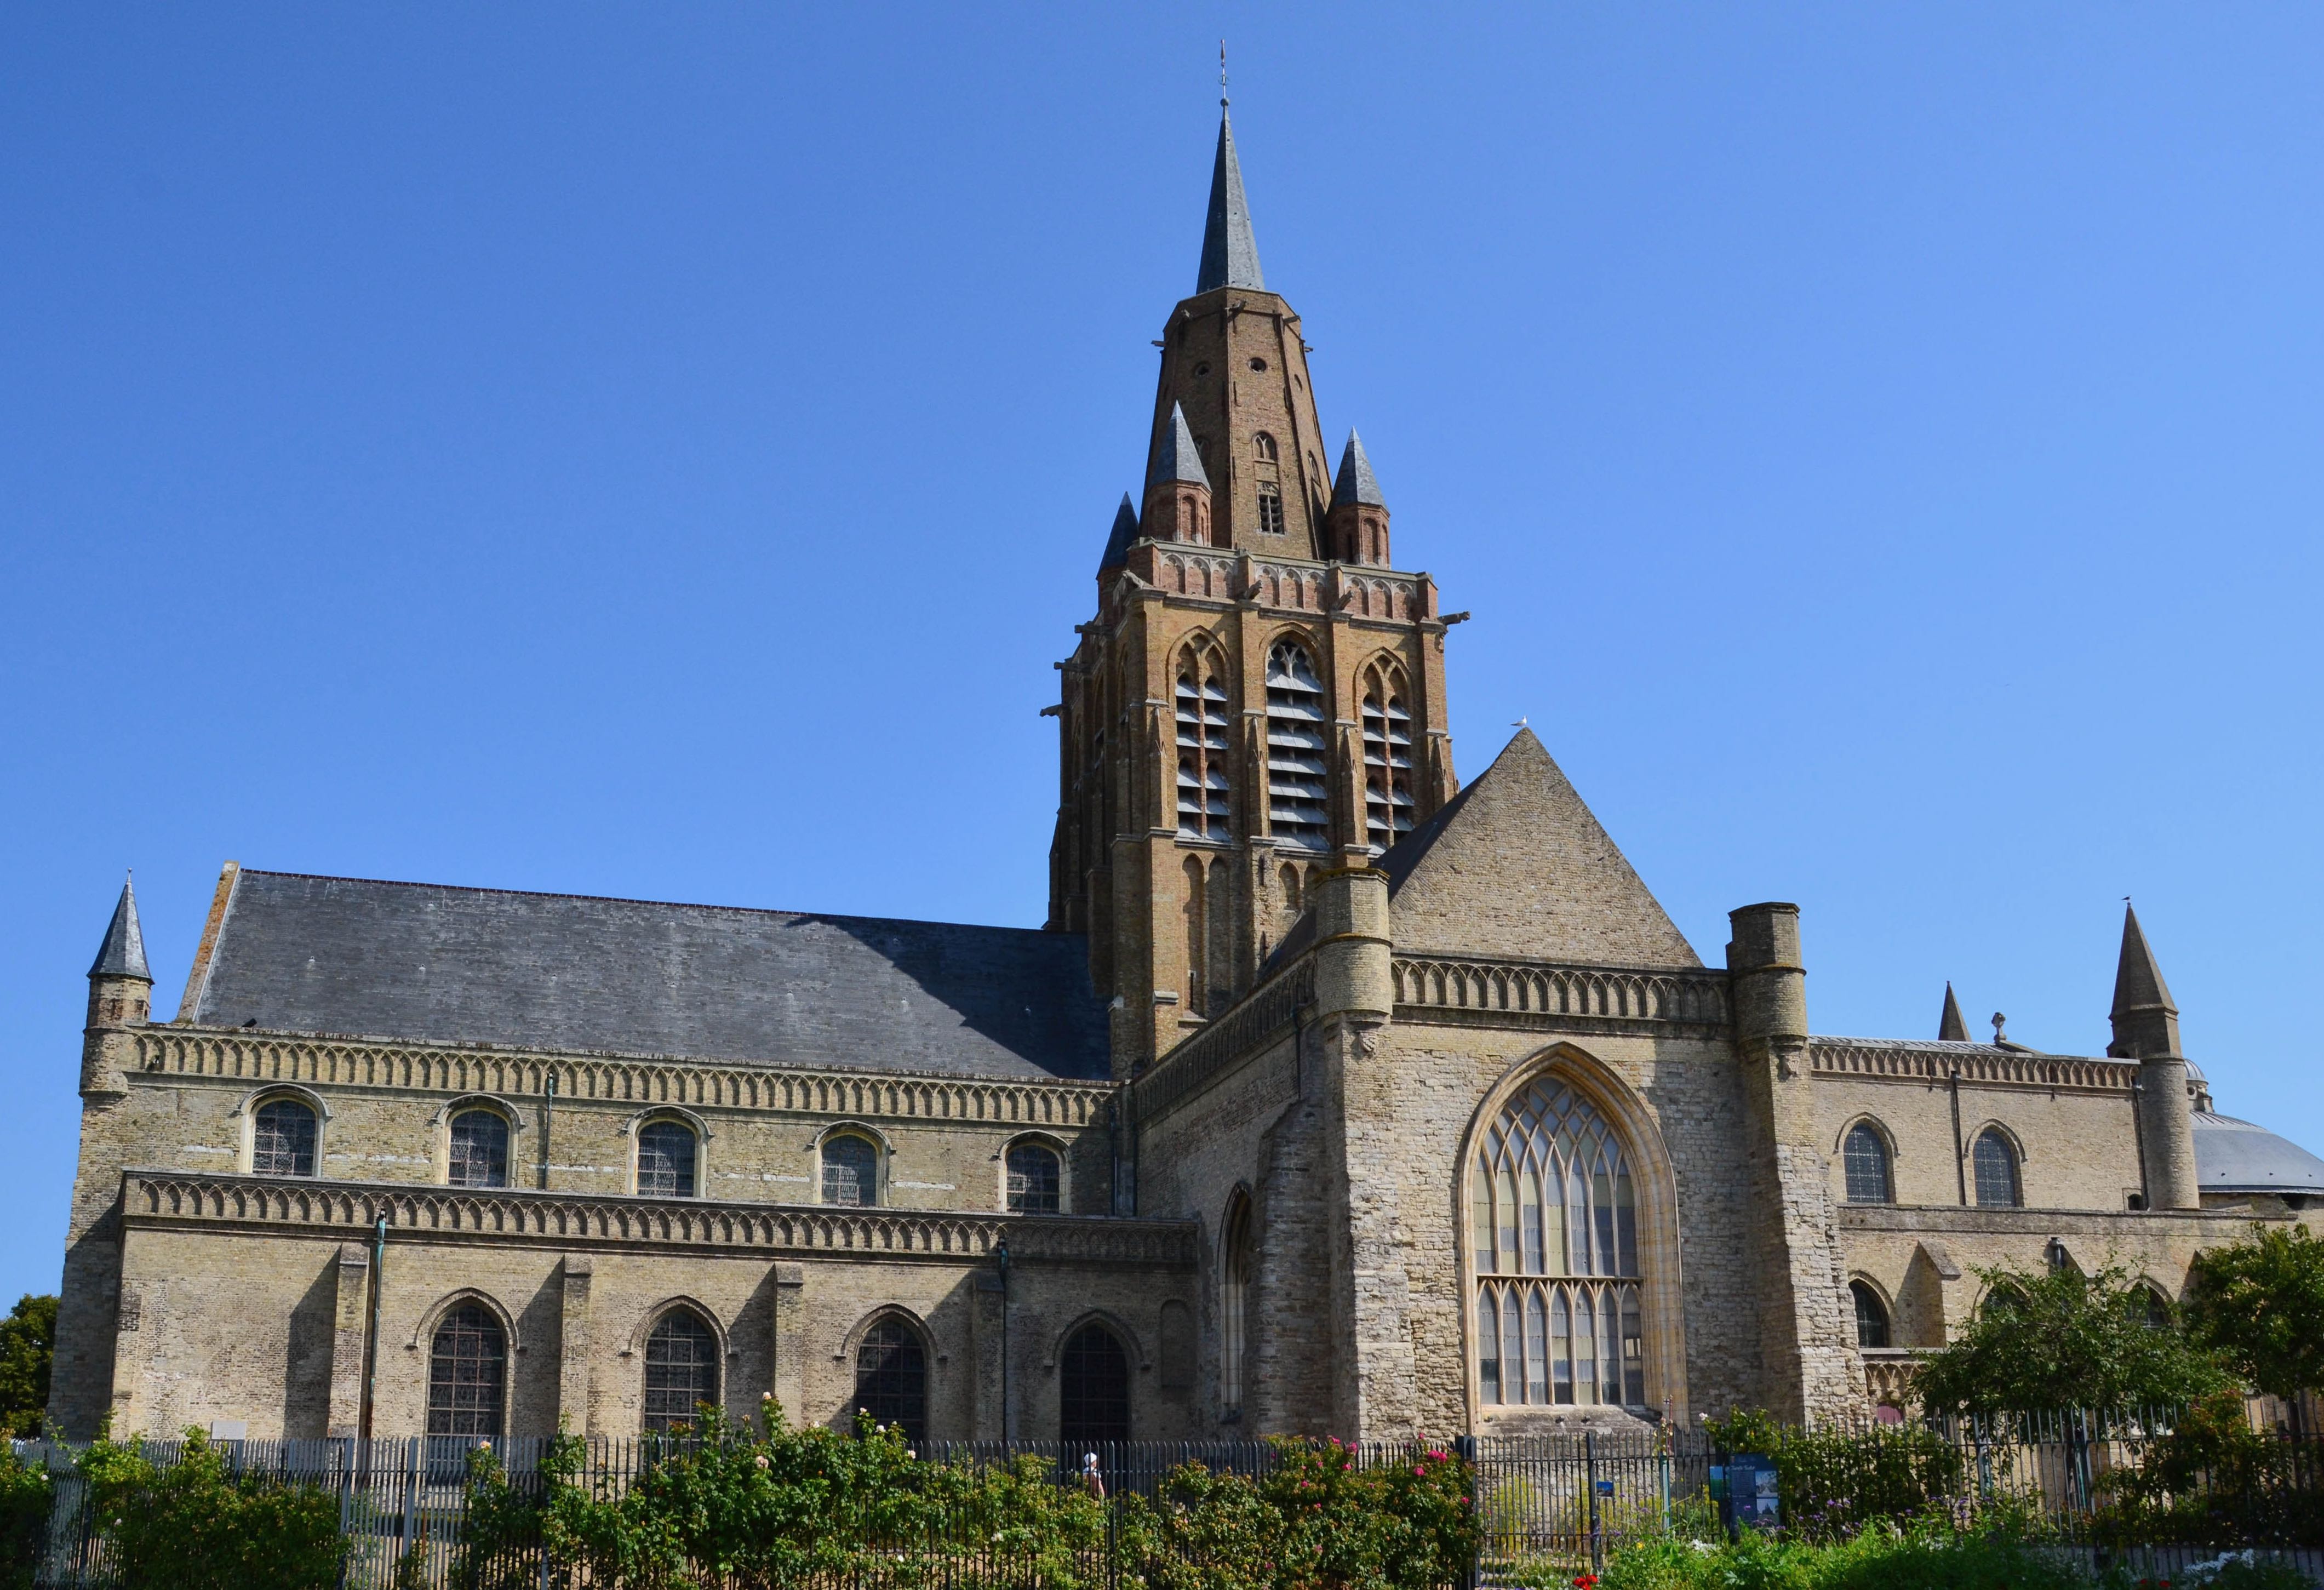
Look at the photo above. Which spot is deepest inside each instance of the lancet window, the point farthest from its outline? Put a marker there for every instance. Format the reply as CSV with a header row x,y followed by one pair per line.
x,y
479,1149
1298,766
1234,1310
282,1139
681,1371
1865,1158
1555,1233
1995,1164
1205,748
1270,508
1387,758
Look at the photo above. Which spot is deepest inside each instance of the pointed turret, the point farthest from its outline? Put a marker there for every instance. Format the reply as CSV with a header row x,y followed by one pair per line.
x,y
2146,1029
1951,1027
123,953
2146,1021
1117,540
1230,254
1357,523
120,992
1177,488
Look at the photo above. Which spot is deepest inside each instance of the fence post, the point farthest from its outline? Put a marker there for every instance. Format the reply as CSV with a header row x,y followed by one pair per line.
x,y
1466,1447
1590,1476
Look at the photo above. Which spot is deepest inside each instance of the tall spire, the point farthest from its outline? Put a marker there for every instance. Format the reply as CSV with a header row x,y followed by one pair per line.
x,y
123,953
1230,254
2146,1021
1951,1027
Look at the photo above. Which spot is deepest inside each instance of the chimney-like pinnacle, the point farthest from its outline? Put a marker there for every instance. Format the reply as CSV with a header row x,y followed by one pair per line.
x,y
1951,1026
2145,1019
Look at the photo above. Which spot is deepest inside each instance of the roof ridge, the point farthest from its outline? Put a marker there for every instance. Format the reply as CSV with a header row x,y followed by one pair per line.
x,y
756,910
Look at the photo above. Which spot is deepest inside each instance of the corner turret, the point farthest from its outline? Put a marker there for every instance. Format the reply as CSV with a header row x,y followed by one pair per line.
x,y
1356,525
120,995
2146,1029
1177,488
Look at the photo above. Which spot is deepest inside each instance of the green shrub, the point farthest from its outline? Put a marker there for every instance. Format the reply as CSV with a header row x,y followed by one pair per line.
x,y
1835,1482
2212,1480
1923,1554
195,1525
24,1497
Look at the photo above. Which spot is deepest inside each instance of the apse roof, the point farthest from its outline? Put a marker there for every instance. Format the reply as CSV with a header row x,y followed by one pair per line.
x,y
293,953
2233,1156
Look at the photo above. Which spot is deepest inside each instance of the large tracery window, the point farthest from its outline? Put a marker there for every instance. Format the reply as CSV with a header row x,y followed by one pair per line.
x,y
1387,758
1203,747
283,1139
1557,1240
681,1370
1298,766
480,1148
1865,1157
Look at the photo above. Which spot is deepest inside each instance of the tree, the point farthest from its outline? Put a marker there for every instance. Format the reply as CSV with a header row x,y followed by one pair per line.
x,y
2067,1340
2259,1305
28,1347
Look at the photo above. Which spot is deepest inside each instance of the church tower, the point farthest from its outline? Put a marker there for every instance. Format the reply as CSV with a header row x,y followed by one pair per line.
x,y
1259,699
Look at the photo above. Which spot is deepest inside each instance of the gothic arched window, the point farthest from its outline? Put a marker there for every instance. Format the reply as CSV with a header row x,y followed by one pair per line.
x,y
1555,1233
851,1171
1388,757
282,1139
480,1148
1865,1157
1036,1179
891,1377
1270,508
667,1153
1238,1263
1264,445
1298,769
1871,1316
681,1370
1092,1388
1204,752
467,1373
1996,1163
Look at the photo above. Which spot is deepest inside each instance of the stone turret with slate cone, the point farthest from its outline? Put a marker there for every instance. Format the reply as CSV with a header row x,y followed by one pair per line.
x,y
120,994
1177,489
2146,1029
1357,523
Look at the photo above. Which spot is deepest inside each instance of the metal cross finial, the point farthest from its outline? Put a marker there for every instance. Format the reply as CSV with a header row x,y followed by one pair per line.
x,y
1998,1035
1222,71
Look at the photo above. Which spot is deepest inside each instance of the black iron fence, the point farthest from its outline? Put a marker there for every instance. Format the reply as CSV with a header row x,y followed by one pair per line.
x,y
2139,1489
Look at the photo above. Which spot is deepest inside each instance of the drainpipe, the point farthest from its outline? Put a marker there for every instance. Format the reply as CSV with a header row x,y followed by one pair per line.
x,y
371,1326
547,1109
1007,1431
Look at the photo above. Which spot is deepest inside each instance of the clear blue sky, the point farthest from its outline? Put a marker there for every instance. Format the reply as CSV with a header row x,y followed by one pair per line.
x,y
660,451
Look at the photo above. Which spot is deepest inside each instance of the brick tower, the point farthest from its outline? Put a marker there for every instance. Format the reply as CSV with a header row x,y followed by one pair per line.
x,y
1259,699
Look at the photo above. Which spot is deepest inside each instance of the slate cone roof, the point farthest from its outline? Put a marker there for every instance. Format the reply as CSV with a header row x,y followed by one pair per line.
x,y
354,956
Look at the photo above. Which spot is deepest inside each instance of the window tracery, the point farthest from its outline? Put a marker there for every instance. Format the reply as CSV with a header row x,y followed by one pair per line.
x,y
282,1139
1554,1230
1298,770
1864,1158
1388,757
1995,1160
681,1370
851,1171
479,1153
668,1151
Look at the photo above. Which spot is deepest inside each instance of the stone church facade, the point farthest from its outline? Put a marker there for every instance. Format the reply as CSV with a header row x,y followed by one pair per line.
x,y
1335,1097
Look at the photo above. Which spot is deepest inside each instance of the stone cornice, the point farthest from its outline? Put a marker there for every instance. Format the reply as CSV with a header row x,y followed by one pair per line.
x,y
235,1054
1955,1219
1246,1029
345,1210
1479,991
1976,1063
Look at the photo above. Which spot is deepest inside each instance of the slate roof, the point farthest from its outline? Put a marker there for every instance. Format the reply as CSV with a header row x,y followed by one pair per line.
x,y
299,954
1230,252
123,953
1118,539
1356,483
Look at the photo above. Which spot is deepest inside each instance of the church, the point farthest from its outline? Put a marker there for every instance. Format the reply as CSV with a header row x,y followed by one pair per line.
x,y
1335,1097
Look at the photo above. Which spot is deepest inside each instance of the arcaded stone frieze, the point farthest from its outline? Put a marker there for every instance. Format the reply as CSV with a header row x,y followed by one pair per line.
x,y
1290,585
1240,1034
1977,1063
256,1057
2107,1226
271,1205
1550,994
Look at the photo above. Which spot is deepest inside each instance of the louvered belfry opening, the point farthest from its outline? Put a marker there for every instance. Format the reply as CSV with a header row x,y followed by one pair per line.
x,y
1204,746
1387,758
1298,765
1556,1235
